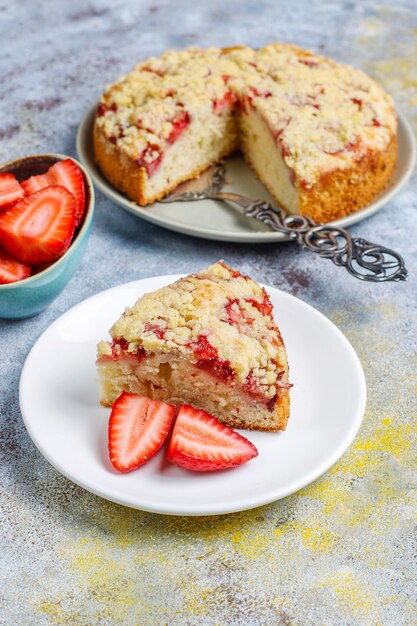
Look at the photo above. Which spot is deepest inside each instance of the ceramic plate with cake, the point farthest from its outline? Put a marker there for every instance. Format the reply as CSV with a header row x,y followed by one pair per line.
x,y
322,138
218,341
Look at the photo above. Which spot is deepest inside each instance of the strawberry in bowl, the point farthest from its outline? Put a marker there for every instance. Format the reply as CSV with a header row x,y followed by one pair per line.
x,y
46,211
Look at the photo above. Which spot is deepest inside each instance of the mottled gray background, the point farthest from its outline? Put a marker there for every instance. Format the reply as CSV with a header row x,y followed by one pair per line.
x,y
341,551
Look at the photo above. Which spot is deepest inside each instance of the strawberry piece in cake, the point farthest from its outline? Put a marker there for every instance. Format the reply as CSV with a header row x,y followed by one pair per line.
x,y
208,340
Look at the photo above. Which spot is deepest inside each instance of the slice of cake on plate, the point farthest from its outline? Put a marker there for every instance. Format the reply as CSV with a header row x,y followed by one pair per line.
x,y
208,340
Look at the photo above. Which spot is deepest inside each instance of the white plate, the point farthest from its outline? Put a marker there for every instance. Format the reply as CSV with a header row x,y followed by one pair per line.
x,y
59,404
212,219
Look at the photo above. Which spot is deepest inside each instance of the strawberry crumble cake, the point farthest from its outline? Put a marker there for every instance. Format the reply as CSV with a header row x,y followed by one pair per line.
x,y
209,340
320,135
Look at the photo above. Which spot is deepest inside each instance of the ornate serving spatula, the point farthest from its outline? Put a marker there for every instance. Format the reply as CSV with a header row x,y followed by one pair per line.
x,y
363,259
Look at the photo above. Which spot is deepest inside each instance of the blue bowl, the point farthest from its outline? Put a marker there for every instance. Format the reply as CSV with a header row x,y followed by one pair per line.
x,y
30,296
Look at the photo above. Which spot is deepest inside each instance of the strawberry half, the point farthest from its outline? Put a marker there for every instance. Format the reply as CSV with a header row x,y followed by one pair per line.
x,y
201,444
39,228
10,191
138,427
11,270
65,174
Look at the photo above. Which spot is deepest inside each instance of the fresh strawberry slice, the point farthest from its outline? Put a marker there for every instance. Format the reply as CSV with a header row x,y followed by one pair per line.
x,y
65,174
10,191
201,444
39,228
35,183
11,270
138,427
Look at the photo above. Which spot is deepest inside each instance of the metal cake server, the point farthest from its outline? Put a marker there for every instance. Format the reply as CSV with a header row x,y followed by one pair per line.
x,y
363,259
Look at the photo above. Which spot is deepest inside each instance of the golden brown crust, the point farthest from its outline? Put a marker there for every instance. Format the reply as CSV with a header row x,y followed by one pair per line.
x,y
341,192
228,49
119,170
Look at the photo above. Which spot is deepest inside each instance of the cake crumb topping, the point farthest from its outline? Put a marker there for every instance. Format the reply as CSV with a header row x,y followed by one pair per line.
x,y
219,320
323,115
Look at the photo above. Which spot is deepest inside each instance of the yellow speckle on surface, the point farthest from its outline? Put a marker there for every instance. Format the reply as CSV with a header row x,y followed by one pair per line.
x,y
355,598
319,540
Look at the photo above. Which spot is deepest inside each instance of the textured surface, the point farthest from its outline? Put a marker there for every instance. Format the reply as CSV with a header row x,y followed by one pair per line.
x,y
341,551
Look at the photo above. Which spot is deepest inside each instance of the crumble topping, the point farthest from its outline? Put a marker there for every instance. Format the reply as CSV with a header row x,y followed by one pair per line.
x,y
219,320
322,115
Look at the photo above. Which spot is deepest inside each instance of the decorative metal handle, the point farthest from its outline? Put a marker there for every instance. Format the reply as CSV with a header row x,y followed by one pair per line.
x,y
363,259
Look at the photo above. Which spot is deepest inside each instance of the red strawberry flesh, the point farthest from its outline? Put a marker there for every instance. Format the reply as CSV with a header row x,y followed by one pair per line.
x,y
39,228
199,443
225,103
138,427
10,191
264,307
65,174
179,124
150,159
35,183
11,270
210,361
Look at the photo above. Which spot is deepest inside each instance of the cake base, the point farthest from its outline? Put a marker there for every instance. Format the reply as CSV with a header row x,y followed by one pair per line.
x,y
179,382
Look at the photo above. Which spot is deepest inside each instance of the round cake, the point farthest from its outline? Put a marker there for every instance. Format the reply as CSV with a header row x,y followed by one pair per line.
x,y
320,135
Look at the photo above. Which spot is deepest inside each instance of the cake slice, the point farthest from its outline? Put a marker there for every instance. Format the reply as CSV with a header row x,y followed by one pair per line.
x,y
208,340
166,121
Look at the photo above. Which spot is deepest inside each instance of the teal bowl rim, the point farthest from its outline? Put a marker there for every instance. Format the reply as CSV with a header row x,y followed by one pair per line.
x,y
83,230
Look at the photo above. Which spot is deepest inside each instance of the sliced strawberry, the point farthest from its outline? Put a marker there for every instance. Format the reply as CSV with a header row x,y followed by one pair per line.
x,y
10,191
201,444
138,427
35,183
11,270
67,174
39,228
